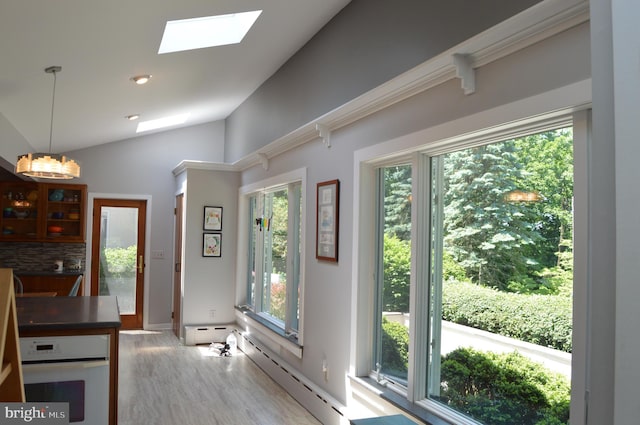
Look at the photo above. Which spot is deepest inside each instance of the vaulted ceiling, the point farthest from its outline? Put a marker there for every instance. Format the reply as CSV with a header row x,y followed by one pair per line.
x,y
100,45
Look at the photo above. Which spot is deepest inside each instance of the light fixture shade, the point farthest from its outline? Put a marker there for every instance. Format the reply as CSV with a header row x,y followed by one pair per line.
x,y
47,165
521,196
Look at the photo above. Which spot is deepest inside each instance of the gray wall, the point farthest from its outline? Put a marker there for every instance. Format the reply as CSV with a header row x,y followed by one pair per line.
x,y
327,292
143,166
366,44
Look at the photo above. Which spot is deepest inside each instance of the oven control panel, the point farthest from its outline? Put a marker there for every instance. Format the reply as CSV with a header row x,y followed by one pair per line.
x,y
43,349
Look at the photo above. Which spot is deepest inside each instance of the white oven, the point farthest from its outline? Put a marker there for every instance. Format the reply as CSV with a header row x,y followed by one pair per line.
x,y
73,369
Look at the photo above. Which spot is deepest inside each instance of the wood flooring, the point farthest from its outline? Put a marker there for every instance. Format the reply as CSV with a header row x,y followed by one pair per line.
x,y
162,382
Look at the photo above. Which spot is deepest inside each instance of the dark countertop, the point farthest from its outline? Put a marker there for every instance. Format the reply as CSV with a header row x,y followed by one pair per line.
x,y
47,273
66,313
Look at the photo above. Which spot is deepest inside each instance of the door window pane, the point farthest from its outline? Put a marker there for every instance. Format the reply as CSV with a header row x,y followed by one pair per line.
x,y
118,255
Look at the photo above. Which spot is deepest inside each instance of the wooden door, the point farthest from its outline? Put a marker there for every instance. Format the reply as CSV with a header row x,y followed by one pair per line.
x,y
117,255
176,314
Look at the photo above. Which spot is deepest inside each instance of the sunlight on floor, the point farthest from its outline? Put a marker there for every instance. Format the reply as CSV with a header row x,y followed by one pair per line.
x,y
140,332
208,351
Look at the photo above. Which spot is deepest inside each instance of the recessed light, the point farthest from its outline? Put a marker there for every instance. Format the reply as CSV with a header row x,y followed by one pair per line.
x,y
161,122
141,79
133,117
209,31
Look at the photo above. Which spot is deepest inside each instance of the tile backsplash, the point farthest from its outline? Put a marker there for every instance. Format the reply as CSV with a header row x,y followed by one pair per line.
x,y
36,256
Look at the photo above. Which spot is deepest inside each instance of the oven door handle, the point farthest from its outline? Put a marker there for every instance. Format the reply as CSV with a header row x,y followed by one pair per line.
x,y
44,367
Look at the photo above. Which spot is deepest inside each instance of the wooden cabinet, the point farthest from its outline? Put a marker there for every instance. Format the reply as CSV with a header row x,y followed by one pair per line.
x,y
61,284
20,211
43,212
65,212
11,382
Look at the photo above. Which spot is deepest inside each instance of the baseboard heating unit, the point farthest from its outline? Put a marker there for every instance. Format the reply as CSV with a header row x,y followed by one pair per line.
x,y
326,409
206,334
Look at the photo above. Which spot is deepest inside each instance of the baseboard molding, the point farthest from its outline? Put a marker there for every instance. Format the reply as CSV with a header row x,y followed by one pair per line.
x,y
320,404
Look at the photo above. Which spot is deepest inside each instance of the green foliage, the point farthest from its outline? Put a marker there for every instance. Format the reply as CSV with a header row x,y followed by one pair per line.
x,y
397,274
395,348
397,201
120,262
503,389
278,300
277,211
504,244
539,319
548,170
451,270
489,237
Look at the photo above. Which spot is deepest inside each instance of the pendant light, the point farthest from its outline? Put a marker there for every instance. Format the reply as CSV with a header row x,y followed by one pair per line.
x,y
48,165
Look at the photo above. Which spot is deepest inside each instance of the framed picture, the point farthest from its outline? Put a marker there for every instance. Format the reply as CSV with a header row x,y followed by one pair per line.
x,y
327,220
211,244
212,218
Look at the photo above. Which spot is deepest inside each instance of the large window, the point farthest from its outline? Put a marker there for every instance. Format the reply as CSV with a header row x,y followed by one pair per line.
x,y
488,302
273,267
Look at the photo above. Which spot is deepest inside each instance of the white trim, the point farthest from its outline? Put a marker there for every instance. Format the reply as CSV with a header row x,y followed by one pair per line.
x,y
296,175
550,109
299,174
539,22
147,243
268,337
201,165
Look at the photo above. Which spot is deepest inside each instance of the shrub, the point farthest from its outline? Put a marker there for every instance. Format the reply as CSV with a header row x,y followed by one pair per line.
x,y
397,274
120,262
539,319
395,348
503,389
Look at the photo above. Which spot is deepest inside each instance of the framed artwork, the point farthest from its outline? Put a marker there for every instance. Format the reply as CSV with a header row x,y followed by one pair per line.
x,y
327,220
211,244
212,218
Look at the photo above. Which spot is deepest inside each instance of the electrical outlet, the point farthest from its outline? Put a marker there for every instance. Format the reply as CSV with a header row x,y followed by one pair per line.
x,y
325,370
212,314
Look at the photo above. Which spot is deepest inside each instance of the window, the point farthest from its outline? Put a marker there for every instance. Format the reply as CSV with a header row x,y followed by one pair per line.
x,y
274,253
488,304
394,258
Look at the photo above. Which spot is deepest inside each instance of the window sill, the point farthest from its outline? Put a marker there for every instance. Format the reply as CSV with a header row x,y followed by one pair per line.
x,y
399,401
276,337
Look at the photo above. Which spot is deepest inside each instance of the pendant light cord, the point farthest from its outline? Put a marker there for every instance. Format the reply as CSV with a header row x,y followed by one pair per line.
x,y
53,102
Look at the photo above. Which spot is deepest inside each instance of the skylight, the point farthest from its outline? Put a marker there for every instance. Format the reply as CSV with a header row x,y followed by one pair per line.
x,y
161,123
209,31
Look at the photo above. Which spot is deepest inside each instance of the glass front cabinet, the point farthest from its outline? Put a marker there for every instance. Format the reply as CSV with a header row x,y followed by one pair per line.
x,y
45,212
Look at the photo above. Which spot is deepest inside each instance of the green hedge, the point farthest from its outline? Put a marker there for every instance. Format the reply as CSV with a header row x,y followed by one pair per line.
x,y
539,319
503,389
395,348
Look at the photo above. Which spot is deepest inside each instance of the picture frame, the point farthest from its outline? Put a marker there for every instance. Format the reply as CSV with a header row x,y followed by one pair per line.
x,y
327,220
212,244
212,219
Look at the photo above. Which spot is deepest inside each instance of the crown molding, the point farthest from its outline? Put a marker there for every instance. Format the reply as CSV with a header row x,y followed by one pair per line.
x,y
541,21
202,165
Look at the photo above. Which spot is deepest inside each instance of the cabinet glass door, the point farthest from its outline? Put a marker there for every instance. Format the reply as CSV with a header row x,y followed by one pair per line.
x,y
19,211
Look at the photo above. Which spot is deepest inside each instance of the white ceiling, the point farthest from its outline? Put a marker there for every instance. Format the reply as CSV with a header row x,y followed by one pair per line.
x,y
102,44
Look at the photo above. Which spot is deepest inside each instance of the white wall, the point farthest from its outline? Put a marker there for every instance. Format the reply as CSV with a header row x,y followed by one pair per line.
x,y
143,166
327,298
208,283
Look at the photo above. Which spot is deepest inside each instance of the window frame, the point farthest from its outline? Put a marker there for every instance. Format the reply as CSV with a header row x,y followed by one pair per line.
x,y
289,333
367,162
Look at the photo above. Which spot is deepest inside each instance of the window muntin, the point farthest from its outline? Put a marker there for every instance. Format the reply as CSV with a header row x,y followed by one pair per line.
x,y
426,366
